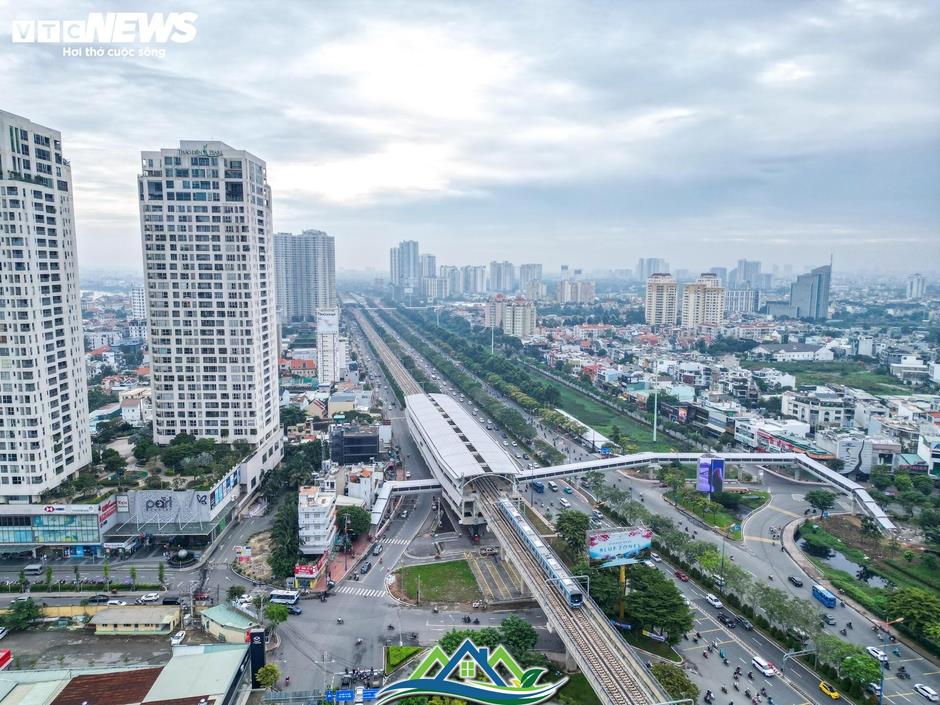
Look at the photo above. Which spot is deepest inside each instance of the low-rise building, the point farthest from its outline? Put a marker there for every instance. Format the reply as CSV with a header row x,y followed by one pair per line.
x,y
794,352
226,623
134,619
351,444
316,519
820,407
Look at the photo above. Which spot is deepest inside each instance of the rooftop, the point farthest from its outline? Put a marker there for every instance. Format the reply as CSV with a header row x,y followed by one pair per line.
x,y
228,617
136,615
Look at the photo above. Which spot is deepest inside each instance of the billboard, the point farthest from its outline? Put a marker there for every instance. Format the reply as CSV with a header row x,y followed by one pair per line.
x,y
618,547
711,474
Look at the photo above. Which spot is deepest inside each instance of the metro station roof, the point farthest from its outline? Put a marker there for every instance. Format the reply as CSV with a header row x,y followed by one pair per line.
x,y
460,442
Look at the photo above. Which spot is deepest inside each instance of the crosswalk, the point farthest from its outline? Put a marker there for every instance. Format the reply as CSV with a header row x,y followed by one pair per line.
x,y
396,542
360,592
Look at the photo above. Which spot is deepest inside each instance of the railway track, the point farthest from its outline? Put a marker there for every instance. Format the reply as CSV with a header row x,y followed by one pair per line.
x,y
615,672
402,377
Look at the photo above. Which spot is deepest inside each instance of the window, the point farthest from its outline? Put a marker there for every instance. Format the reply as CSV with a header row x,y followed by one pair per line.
x,y
468,670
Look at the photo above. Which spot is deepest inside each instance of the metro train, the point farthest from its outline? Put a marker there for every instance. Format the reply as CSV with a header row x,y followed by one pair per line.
x,y
560,577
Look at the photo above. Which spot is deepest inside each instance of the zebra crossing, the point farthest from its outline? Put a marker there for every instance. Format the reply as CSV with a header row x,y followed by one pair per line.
x,y
396,542
361,592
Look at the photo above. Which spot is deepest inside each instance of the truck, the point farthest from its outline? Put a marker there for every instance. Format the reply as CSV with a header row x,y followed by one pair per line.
x,y
538,486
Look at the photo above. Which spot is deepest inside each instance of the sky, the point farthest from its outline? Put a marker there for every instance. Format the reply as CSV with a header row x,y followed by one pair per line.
x,y
579,133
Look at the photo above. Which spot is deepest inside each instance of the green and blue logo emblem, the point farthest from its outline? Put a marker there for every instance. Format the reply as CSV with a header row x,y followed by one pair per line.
x,y
474,674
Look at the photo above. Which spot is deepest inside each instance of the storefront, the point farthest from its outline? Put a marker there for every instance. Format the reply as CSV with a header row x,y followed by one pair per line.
x,y
59,530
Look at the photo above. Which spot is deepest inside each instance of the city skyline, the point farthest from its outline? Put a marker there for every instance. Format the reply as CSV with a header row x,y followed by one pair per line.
x,y
786,140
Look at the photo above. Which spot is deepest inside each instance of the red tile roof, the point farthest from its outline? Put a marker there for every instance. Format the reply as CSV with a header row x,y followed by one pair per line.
x,y
122,688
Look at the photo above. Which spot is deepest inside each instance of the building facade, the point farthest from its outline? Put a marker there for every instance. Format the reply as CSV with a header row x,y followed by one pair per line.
x,y
44,436
703,303
661,300
916,287
139,303
473,277
502,277
809,297
331,349
572,291
529,273
205,213
316,519
405,266
304,274
742,300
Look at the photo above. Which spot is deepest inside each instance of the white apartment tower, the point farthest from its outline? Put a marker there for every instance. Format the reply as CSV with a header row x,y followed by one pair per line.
x,y
703,303
529,273
661,300
44,436
331,349
305,274
205,214
916,287
519,318
139,303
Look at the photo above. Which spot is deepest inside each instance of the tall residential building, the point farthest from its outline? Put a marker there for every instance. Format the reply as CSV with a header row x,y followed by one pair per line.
x,y
405,265
742,300
305,274
809,296
529,273
703,303
473,277
536,291
571,291
454,279
721,273
661,300
502,277
434,288
139,302
428,266
916,287
44,433
746,274
519,318
648,266
331,348
205,215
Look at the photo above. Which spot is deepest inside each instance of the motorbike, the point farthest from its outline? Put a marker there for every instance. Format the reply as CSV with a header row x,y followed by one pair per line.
x,y
735,685
724,690
848,625
705,654
476,620
391,627
358,641
339,620
726,661
843,632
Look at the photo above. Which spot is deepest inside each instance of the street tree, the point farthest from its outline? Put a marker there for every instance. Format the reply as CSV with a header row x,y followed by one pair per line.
x,y
517,635
655,602
920,608
275,614
161,573
572,526
235,591
832,650
675,681
821,500
20,615
359,520
268,675
860,669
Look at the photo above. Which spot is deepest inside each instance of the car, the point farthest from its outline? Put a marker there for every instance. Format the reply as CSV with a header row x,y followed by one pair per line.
x,y
377,549
177,638
927,692
744,622
526,456
873,688
98,599
404,514
713,601
149,597
876,653
829,690
294,609
828,619
795,581
649,564
655,557
681,576
506,443
365,567
116,603
567,490
726,620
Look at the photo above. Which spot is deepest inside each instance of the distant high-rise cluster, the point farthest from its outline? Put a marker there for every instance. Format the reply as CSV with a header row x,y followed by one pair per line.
x,y
646,267
44,416
305,274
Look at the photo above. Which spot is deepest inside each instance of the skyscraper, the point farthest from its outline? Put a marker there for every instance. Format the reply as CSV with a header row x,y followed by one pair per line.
x,y
428,266
648,266
529,273
661,300
405,266
331,349
305,274
452,275
205,214
703,303
474,278
916,287
809,296
44,414
502,277
721,273
139,302
746,274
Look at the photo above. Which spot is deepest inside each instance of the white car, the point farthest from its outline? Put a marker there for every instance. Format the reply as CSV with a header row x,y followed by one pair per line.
x,y
117,603
149,597
876,653
655,557
177,638
927,692
713,601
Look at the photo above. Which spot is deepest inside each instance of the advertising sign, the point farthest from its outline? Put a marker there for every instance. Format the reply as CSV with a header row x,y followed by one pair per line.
x,y
123,506
619,547
243,554
711,474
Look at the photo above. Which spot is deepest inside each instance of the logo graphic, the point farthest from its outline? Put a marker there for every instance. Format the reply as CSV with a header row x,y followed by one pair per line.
x,y
109,28
474,674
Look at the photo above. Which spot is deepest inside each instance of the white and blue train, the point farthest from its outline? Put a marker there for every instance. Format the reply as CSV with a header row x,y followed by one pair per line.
x,y
561,578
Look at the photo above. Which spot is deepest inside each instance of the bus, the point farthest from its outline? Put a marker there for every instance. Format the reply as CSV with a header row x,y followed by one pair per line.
x,y
33,569
538,486
824,596
284,597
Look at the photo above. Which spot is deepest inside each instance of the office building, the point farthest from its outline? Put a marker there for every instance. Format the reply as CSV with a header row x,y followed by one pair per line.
x,y
502,277
529,273
661,300
405,266
742,300
44,433
304,274
571,291
138,303
351,444
474,278
331,348
703,303
916,287
809,297
428,266
205,214
648,266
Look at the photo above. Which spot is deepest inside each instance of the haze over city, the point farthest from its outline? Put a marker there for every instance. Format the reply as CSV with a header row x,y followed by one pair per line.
x,y
778,131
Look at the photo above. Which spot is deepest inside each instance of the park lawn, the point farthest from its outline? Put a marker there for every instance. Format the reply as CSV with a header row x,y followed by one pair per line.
x,y
395,656
577,691
452,581
603,419
851,374
720,519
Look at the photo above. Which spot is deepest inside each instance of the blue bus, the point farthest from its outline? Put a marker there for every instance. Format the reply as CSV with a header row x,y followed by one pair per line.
x,y
538,486
824,596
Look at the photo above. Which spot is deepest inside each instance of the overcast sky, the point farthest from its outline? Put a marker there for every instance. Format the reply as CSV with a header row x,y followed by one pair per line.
x,y
585,133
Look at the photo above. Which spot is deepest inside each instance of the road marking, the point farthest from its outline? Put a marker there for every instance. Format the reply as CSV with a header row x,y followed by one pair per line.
x,y
784,511
361,592
763,539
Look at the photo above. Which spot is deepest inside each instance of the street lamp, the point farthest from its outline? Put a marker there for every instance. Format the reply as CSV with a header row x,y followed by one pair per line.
x,y
884,644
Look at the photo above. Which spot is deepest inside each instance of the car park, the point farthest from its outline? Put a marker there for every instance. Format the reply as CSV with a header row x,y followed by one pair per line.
x,y
927,692
829,690
713,601
177,638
